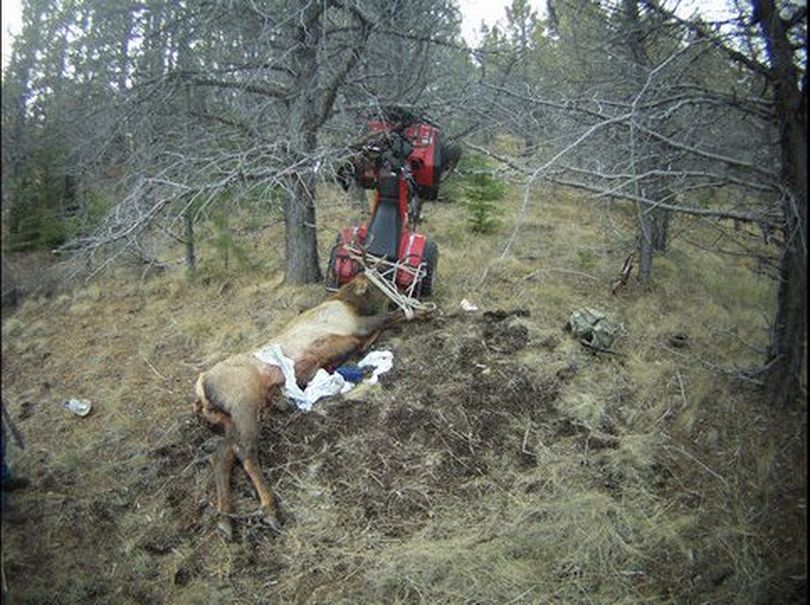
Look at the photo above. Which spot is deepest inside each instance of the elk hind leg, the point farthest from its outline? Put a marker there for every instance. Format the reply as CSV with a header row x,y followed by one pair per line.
x,y
269,511
222,462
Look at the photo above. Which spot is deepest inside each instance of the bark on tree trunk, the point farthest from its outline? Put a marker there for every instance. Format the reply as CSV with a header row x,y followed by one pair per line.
x,y
789,336
653,222
300,238
787,348
661,229
301,243
783,382
646,230
191,256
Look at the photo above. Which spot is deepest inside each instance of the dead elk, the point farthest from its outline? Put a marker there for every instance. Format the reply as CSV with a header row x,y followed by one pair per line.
x,y
231,395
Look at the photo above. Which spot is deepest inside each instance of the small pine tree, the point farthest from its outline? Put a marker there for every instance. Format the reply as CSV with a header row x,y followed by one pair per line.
x,y
226,244
482,192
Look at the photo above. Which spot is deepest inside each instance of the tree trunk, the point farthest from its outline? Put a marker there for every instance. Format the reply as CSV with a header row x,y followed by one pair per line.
x,y
652,222
788,341
301,243
660,229
184,54
786,351
123,51
191,257
300,237
646,230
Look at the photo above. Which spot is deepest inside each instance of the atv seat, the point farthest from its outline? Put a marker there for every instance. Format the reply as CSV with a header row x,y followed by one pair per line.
x,y
386,224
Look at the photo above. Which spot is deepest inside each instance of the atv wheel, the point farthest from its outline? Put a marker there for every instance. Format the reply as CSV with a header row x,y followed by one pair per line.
x,y
415,211
451,154
429,193
431,259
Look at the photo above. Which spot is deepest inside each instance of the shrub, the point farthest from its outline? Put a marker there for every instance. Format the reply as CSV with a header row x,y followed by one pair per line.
x,y
482,192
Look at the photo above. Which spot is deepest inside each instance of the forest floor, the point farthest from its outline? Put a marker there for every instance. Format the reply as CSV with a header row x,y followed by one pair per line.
x,y
500,461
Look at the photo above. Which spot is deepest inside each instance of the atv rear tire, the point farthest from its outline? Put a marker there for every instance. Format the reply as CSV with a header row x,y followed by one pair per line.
x,y
431,258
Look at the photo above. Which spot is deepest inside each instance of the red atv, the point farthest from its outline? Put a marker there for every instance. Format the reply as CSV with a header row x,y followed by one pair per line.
x,y
404,160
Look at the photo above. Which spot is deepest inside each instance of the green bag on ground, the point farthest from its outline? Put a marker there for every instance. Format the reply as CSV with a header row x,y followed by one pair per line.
x,y
592,326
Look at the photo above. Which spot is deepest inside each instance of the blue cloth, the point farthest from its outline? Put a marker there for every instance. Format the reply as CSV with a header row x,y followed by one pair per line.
x,y
350,373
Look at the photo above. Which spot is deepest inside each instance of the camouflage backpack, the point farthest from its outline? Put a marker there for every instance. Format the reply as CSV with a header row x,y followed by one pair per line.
x,y
593,327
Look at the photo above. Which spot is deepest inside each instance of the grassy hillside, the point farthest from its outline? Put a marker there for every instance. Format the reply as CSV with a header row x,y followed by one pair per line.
x,y
498,462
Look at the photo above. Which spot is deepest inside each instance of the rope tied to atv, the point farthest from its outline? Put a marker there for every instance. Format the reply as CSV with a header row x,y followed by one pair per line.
x,y
403,300
407,303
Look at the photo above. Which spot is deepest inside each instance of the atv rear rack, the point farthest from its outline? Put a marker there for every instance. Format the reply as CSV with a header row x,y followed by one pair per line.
x,y
383,273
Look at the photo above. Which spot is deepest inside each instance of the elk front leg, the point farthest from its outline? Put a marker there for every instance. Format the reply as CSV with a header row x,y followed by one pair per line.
x,y
368,325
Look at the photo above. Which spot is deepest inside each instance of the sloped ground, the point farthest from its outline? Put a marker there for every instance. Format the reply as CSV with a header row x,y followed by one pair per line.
x,y
499,461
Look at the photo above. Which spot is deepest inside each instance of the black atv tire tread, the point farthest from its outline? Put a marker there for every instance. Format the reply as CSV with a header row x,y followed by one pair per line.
x,y
431,257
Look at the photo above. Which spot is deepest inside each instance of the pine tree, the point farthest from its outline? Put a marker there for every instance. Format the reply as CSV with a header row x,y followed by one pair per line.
x,y
482,192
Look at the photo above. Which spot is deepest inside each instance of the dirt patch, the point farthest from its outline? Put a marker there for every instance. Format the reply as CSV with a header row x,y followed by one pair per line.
x,y
504,332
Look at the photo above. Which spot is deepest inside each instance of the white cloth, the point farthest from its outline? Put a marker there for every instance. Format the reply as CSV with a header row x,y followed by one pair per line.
x,y
468,306
381,361
323,384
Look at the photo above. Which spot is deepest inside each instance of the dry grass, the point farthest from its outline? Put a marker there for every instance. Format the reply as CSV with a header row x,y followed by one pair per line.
x,y
498,462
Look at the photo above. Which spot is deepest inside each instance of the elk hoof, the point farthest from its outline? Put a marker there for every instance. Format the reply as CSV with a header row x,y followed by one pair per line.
x,y
225,527
270,519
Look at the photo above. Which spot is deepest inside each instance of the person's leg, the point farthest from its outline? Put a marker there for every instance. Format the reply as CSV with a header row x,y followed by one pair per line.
x,y
8,480
6,473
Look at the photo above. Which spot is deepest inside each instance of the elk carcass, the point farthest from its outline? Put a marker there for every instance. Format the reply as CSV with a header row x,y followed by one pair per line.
x,y
231,395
